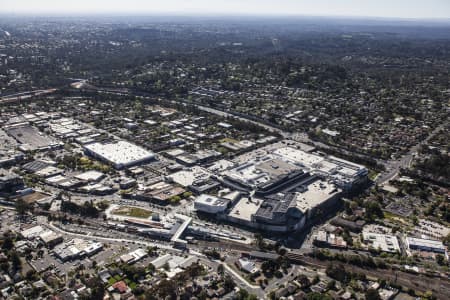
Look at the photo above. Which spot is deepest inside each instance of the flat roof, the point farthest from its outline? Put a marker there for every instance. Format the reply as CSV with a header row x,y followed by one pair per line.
x,y
315,194
299,156
32,231
31,138
210,200
385,242
120,152
49,236
425,243
91,175
244,209
187,177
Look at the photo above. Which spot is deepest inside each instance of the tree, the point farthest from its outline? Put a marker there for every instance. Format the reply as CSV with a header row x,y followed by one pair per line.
x,y
166,266
317,296
347,237
103,205
259,241
228,283
15,260
187,194
152,251
22,206
175,200
97,288
166,288
31,275
338,273
440,259
316,279
8,243
303,280
244,295
220,269
373,210
372,294
331,285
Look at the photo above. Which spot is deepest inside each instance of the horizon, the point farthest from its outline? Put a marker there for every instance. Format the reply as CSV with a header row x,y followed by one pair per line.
x,y
360,9
208,17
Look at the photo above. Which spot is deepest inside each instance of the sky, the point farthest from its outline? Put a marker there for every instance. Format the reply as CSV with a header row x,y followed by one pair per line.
x,y
415,9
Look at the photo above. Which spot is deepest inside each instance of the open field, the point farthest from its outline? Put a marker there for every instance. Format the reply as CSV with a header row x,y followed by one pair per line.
x,y
134,212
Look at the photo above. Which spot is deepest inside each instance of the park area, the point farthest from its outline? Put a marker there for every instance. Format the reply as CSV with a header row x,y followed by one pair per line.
x,y
131,211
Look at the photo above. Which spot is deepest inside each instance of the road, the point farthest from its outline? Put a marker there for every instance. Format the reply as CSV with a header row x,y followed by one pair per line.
x,y
212,263
230,115
100,238
25,95
240,281
393,166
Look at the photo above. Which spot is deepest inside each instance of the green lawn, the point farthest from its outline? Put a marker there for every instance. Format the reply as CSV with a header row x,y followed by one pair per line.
x,y
229,140
134,212
111,281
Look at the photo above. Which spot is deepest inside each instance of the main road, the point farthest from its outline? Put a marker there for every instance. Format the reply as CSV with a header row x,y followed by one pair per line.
x,y
24,95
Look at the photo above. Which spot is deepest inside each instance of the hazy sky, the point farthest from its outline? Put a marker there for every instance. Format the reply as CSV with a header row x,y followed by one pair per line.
x,y
369,8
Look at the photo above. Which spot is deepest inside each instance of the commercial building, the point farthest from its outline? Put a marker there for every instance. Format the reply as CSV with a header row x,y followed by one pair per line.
x,y
325,239
346,175
90,176
133,256
268,171
210,204
282,212
247,265
10,182
50,238
32,232
262,173
425,245
120,154
176,264
285,187
77,248
8,153
382,242
31,139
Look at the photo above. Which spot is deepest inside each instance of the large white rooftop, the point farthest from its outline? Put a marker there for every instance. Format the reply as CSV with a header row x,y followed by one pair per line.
x,y
432,244
210,200
187,177
316,193
299,156
384,242
120,153
90,175
245,209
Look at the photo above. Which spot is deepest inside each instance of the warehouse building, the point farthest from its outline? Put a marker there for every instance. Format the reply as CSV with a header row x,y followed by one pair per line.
x,y
120,154
425,245
50,238
31,139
